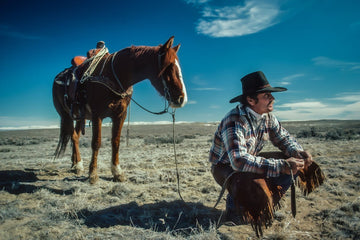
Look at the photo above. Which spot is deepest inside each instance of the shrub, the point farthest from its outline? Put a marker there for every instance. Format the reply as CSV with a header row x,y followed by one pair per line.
x,y
5,150
334,134
312,132
163,140
329,134
337,134
22,141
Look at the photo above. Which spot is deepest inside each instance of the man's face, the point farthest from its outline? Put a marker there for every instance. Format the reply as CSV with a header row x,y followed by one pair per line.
x,y
264,104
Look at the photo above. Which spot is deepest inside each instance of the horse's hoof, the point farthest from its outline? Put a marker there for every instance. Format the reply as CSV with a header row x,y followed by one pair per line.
x,y
77,171
93,179
120,178
78,168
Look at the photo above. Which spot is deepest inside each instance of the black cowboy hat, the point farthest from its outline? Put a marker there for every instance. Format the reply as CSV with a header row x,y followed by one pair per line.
x,y
255,82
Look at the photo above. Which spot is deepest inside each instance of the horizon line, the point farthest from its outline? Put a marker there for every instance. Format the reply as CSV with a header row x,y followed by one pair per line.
x,y
57,126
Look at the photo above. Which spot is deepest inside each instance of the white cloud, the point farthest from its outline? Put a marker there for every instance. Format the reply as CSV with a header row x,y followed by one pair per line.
x,y
347,108
192,102
348,97
288,79
238,20
292,77
303,105
343,65
285,83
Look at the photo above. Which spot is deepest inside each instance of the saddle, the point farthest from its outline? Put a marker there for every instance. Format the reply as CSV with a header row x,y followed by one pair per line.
x,y
77,60
73,97
92,52
75,94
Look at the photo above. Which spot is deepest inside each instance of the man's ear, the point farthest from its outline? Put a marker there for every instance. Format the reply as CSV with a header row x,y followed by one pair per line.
x,y
250,100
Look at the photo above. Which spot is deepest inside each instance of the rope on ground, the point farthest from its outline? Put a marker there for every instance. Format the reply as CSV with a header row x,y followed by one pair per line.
x,y
176,162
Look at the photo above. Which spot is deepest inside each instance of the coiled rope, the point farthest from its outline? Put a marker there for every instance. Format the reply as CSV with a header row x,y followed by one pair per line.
x,y
94,61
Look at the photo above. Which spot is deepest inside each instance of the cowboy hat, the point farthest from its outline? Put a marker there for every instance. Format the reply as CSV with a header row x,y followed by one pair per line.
x,y
255,82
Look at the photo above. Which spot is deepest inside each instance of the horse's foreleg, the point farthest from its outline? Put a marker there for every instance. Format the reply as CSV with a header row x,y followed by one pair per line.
x,y
117,172
77,164
95,145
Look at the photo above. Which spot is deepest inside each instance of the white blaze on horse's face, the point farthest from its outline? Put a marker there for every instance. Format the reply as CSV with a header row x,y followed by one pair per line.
x,y
174,105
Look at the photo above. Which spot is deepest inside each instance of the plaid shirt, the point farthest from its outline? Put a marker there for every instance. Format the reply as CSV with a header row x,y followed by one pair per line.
x,y
241,136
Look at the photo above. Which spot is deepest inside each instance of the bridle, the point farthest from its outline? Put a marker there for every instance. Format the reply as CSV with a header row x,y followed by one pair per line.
x,y
166,109
166,89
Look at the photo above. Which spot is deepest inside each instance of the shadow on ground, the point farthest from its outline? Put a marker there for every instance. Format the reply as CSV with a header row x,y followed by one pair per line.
x,y
161,216
19,181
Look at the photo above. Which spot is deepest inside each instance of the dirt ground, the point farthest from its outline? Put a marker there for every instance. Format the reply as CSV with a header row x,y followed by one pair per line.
x,y
40,198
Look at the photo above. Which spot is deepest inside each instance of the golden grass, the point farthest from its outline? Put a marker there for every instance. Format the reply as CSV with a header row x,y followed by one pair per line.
x,y
42,199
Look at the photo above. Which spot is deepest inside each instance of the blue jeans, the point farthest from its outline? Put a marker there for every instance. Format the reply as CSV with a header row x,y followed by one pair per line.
x,y
284,181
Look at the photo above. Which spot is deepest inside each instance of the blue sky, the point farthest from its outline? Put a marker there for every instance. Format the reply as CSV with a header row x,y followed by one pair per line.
x,y
310,47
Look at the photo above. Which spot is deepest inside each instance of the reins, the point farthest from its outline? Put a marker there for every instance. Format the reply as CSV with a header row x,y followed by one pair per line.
x,y
166,90
166,110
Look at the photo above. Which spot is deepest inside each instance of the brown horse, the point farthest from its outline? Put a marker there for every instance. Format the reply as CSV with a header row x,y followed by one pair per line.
x,y
121,70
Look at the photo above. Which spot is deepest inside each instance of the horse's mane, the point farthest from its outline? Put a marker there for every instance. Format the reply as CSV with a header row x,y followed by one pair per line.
x,y
136,52
142,50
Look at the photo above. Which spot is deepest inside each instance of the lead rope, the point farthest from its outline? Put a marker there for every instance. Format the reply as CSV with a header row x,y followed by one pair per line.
x,y
293,194
128,126
166,110
174,147
223,188
176,162
126,94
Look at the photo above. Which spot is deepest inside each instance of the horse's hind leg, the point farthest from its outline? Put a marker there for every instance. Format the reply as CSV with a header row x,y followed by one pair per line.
x,y
117,172
95,145
77,164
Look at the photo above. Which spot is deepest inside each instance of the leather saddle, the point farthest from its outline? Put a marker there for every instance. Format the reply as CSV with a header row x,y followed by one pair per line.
x,y
68,79
77,60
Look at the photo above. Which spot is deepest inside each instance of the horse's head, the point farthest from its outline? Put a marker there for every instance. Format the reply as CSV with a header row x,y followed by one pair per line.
x,y
171,84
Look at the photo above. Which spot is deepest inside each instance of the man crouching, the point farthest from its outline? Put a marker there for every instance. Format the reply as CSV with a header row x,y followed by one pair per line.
x,y
255,181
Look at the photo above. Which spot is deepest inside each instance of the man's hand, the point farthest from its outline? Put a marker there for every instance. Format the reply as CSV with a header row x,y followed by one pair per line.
x,y
294,164
307,158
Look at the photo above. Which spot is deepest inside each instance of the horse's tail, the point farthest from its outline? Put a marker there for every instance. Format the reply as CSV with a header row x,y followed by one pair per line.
x,y
66,130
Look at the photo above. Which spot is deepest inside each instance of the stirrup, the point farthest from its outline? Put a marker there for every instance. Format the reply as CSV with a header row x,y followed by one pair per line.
x,y
74,116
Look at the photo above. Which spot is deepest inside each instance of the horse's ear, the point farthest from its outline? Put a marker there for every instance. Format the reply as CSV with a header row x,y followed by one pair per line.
x,y
176,48
168,44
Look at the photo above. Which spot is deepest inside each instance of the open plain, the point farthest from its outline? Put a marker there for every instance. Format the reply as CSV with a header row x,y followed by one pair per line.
x,y
40,198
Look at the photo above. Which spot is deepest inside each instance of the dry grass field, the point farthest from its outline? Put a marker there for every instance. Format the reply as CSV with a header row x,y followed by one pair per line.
x,y
40,198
